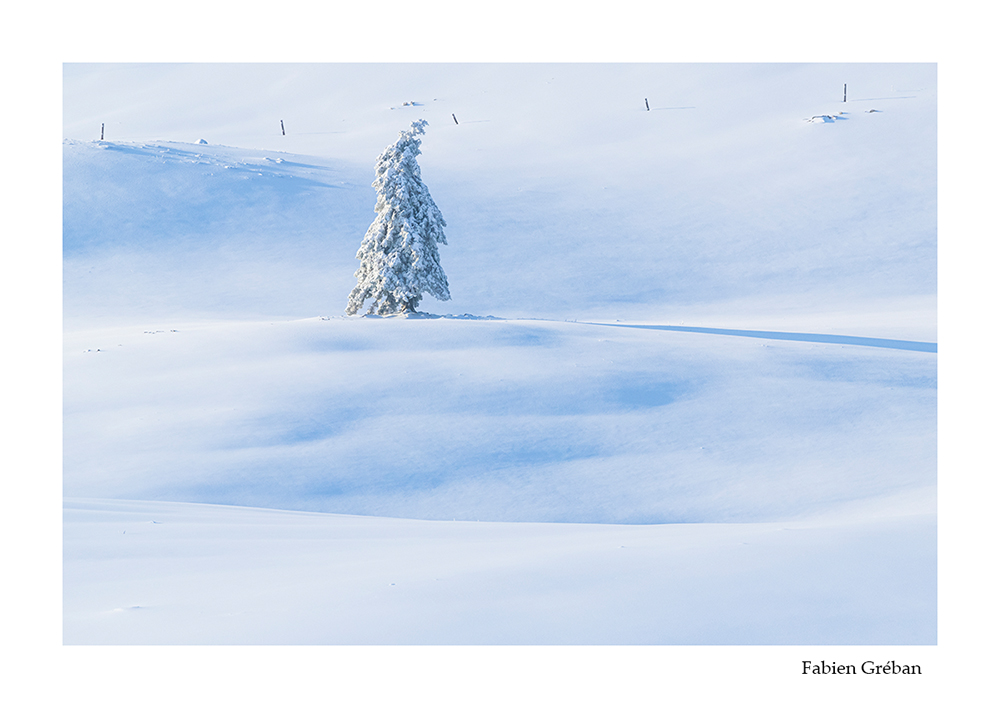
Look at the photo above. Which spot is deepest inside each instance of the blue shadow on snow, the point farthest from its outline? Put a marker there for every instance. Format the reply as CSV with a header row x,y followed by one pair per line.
x,y
793,336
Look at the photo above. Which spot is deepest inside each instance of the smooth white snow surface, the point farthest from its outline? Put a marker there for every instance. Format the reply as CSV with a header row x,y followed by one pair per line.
x,y
704,332
172,573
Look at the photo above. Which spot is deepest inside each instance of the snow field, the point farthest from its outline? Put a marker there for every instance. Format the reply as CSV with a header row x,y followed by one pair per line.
x,y
765,491
493,420
173,573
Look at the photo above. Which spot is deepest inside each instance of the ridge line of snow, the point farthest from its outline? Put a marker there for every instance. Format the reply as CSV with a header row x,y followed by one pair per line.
x,y
903,344
853,340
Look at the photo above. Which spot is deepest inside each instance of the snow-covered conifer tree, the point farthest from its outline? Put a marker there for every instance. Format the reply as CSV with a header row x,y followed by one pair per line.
x,y
399,254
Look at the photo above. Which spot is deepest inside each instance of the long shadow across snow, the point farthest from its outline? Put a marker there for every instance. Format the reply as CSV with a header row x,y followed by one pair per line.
x,y
793,336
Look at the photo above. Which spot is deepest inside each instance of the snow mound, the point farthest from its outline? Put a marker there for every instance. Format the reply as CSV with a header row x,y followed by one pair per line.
x,y
827,118
403,315
429,316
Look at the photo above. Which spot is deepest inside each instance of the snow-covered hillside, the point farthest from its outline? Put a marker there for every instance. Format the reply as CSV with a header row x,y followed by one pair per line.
x,y
493,420
565,198
771,373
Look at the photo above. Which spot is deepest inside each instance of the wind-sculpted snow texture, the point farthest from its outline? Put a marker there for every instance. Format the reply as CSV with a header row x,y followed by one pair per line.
x,y
494,420
712,321
160,229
